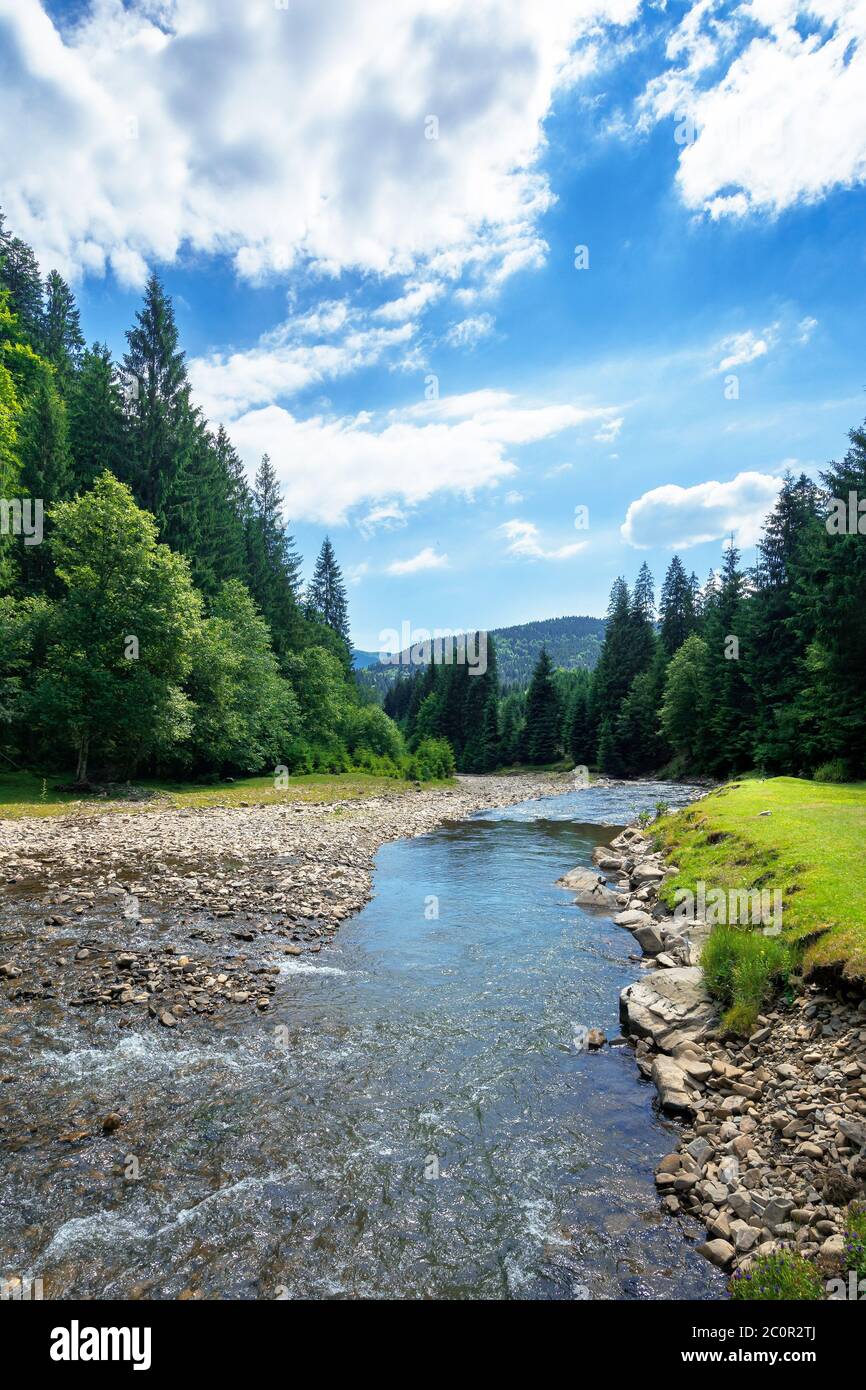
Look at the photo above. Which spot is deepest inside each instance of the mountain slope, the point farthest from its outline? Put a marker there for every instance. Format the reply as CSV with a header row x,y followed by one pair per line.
x,y
571,643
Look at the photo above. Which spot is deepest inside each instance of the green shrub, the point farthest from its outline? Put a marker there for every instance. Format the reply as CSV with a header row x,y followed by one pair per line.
x,y
835,771
783,1276
855,1240
433,758
368,727
742,970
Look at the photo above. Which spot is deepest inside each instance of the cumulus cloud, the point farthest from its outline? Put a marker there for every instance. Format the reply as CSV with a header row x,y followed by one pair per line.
x,y
768,100
524,539
426,559
288,135
458,445
680,517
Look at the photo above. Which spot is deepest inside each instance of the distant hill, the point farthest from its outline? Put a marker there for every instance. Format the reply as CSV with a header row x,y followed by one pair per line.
x,y
361,660
571,643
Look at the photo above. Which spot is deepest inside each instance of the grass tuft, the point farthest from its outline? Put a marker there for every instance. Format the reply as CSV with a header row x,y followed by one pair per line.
x,y
780,1277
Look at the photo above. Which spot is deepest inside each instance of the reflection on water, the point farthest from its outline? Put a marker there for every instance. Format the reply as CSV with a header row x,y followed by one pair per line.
x,y
412,1119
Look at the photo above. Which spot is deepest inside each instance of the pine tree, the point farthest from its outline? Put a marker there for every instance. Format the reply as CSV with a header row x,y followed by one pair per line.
x,y
481,714
579,731
326,595
830,620
776,643
46,469
677,607
63,341
540,741
158,393
98,437
21,277
728,730
273,563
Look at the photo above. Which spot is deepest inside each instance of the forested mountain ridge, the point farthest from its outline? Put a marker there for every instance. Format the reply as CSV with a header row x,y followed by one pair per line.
x,y
571,643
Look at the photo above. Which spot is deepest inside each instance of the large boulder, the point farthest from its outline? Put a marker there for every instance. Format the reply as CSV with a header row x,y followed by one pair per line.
x,y
632,918
649,939
671,1083
647,873
589,888
667,1005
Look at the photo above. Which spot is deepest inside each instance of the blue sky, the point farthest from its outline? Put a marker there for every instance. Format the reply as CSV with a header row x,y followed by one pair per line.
x,y
398,319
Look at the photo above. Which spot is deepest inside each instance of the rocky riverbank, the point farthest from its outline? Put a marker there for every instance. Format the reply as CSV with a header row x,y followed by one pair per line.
x,y
177,913
773,1143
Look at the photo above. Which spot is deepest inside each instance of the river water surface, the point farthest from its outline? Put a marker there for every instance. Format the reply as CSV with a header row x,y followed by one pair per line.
x,y
411,1120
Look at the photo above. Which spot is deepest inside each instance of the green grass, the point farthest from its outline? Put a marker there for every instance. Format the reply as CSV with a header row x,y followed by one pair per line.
x,y
784,1276
743,969
811,846
25,794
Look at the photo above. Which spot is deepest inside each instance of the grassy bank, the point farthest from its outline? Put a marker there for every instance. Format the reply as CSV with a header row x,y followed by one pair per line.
x,y
24,794
810,845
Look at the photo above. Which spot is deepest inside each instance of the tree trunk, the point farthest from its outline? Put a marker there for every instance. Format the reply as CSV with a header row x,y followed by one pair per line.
x,y
81,770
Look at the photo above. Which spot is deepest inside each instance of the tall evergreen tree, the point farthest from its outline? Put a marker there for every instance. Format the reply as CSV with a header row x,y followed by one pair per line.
x,y
98,437
326,595
158,394
21,277
776,641
481,749
274,565
677,607
62,339
540,741
728,729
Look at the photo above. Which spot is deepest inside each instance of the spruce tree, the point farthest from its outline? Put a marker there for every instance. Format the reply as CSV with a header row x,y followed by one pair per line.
x,y
540,741
481,715
727,742
677,607
326,595
21,277
63,341
776,642
273,563
158,394
98,437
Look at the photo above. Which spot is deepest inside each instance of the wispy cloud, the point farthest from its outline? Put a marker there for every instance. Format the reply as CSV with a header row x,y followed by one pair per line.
x,y
524,539
426,559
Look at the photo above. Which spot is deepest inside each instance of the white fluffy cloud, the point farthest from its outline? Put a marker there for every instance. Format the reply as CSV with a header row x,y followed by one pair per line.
x,y
457,445
281,135
524,539
680,517
426,559
768,100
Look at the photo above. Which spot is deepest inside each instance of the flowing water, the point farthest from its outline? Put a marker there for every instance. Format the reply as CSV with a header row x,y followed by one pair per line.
x,y
411,1120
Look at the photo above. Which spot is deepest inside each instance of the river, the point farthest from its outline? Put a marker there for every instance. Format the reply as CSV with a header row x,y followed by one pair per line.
x,y
411,1120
